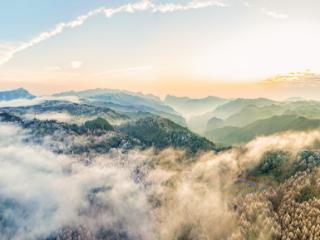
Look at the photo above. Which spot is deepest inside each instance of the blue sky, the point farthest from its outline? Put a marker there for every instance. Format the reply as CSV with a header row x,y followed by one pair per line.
x,y
20,19
183,44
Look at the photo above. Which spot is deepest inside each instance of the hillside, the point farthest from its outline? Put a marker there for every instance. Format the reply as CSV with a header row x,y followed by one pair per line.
x,y
76,111
276,124
214,123
126,102
251,113
199,123
163,133
192,106
99,135
18,93
226,110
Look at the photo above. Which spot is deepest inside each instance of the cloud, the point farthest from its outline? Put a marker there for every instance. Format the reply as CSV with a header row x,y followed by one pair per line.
x,y
58,116
295,79
274,14
145,194
41,193
76,64
73,65
9,50
36,101
199,202
7,47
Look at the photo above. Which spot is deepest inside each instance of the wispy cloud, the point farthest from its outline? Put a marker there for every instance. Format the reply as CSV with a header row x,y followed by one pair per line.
x,y
7,47
295,79
73,65
8,51
274,14
36,101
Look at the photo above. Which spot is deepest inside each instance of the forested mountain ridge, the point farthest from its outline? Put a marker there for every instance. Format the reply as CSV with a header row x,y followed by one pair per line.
x,y
269,126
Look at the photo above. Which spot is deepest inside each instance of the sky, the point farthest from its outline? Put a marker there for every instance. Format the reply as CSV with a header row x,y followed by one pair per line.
x,y
183,47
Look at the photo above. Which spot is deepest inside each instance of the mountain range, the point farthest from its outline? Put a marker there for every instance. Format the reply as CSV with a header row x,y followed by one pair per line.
x,y
269,126
222,120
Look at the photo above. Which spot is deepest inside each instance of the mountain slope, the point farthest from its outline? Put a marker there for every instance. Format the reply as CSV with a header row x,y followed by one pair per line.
x,y
190,106
252,113
19,93
99,136
276,124
75,110
125,101
226,110
162,133
214,123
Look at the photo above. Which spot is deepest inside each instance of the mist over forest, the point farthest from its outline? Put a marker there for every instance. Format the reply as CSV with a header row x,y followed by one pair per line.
x,y
106,164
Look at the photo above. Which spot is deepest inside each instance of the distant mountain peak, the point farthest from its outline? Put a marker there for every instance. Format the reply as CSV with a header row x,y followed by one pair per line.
x,y
102,91
19,93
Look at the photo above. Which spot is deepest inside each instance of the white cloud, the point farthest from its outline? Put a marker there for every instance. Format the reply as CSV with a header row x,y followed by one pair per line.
x,y
36,101
52,191
76,64
303,79
10,50
58,116
274,14
7,47
49,191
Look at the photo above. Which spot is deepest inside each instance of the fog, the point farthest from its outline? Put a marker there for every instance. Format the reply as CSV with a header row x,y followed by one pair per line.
x,y
143,194
49,192
35,101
